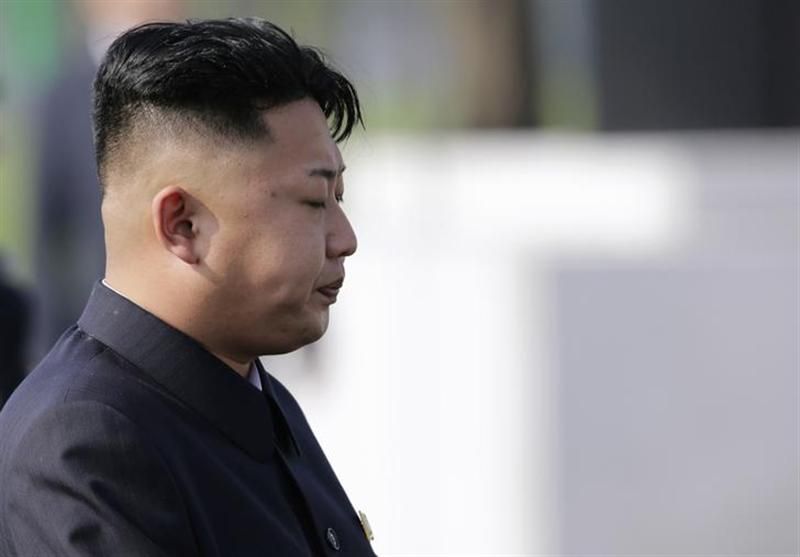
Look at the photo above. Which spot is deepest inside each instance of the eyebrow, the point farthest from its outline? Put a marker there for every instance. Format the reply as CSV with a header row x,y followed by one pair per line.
x,y
327,173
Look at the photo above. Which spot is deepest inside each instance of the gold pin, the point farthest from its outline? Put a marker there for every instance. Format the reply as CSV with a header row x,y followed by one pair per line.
x,y
365,525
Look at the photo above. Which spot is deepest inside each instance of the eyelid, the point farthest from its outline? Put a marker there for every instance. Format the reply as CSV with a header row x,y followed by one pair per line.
x,y
320,204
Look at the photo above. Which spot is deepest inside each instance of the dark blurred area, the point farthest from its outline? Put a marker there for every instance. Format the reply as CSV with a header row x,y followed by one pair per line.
x,y
643,64
14,322
697,64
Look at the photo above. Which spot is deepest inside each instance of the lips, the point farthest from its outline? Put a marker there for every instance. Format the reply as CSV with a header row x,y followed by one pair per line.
x,y
331,290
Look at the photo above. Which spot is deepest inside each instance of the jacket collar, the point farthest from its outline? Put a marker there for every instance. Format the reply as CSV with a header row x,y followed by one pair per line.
x,y
184,368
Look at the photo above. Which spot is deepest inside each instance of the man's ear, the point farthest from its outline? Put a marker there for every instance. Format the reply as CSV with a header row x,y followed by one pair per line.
x,y
175,222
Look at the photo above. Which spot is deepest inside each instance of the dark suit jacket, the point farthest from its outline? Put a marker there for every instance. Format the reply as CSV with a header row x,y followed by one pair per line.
x,y
131,439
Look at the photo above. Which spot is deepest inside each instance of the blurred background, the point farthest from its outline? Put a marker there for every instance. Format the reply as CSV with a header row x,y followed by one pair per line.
x,y
572,324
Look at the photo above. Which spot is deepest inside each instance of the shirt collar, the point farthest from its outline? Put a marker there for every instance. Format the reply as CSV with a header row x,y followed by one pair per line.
x,y
253,378
183,367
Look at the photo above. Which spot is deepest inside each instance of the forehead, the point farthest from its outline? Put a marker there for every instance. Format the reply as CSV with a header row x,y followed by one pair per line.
x,y
299,135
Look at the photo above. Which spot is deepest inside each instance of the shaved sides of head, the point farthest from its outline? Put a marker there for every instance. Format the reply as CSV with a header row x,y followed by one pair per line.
x,y
151,133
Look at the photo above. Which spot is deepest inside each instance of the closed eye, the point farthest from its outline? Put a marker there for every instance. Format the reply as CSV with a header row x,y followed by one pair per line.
x,y
316,204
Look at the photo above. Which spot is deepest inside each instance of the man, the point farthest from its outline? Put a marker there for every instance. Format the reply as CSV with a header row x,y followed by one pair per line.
x,y
151,427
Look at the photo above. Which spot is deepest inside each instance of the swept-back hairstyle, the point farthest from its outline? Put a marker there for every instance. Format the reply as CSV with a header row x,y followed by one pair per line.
x,y
217,75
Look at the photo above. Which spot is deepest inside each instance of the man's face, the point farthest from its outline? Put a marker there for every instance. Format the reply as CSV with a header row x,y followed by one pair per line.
x,y
276,257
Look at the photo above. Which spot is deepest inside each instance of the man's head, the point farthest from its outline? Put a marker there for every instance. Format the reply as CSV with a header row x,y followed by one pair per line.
x,y
216,151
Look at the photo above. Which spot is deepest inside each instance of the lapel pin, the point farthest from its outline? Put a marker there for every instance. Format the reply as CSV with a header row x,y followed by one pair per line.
x,y
365,526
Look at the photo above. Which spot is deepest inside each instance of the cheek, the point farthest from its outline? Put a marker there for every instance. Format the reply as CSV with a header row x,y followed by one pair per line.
x,y
300,249
289,268
285,254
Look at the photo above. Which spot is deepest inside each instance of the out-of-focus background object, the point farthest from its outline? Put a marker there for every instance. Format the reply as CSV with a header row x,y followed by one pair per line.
x,y
14,322
69,248
572,324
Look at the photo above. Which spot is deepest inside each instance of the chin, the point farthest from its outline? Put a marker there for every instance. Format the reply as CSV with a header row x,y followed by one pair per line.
x,y
313,334
306,334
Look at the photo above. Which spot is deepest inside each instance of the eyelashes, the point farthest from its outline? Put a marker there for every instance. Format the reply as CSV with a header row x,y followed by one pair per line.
x,y
323,204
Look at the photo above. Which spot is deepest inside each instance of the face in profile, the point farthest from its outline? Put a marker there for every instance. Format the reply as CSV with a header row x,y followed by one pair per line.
x,y
277,255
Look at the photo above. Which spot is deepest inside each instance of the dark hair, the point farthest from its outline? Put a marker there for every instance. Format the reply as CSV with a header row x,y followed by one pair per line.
x,y
216,74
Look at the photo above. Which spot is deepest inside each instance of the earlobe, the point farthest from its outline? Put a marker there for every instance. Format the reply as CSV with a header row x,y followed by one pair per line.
x,y
174,221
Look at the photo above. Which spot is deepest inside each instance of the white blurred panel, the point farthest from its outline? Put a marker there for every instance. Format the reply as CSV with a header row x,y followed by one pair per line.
x,y
567,345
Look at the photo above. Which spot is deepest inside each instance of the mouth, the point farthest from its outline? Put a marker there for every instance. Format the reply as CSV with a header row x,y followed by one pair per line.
x,y
331,291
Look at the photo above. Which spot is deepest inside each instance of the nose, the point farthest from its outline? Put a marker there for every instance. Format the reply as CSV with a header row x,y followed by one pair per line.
x,y
341,240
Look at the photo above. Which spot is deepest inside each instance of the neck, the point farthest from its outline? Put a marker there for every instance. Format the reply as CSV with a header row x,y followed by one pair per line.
x,y
120,288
